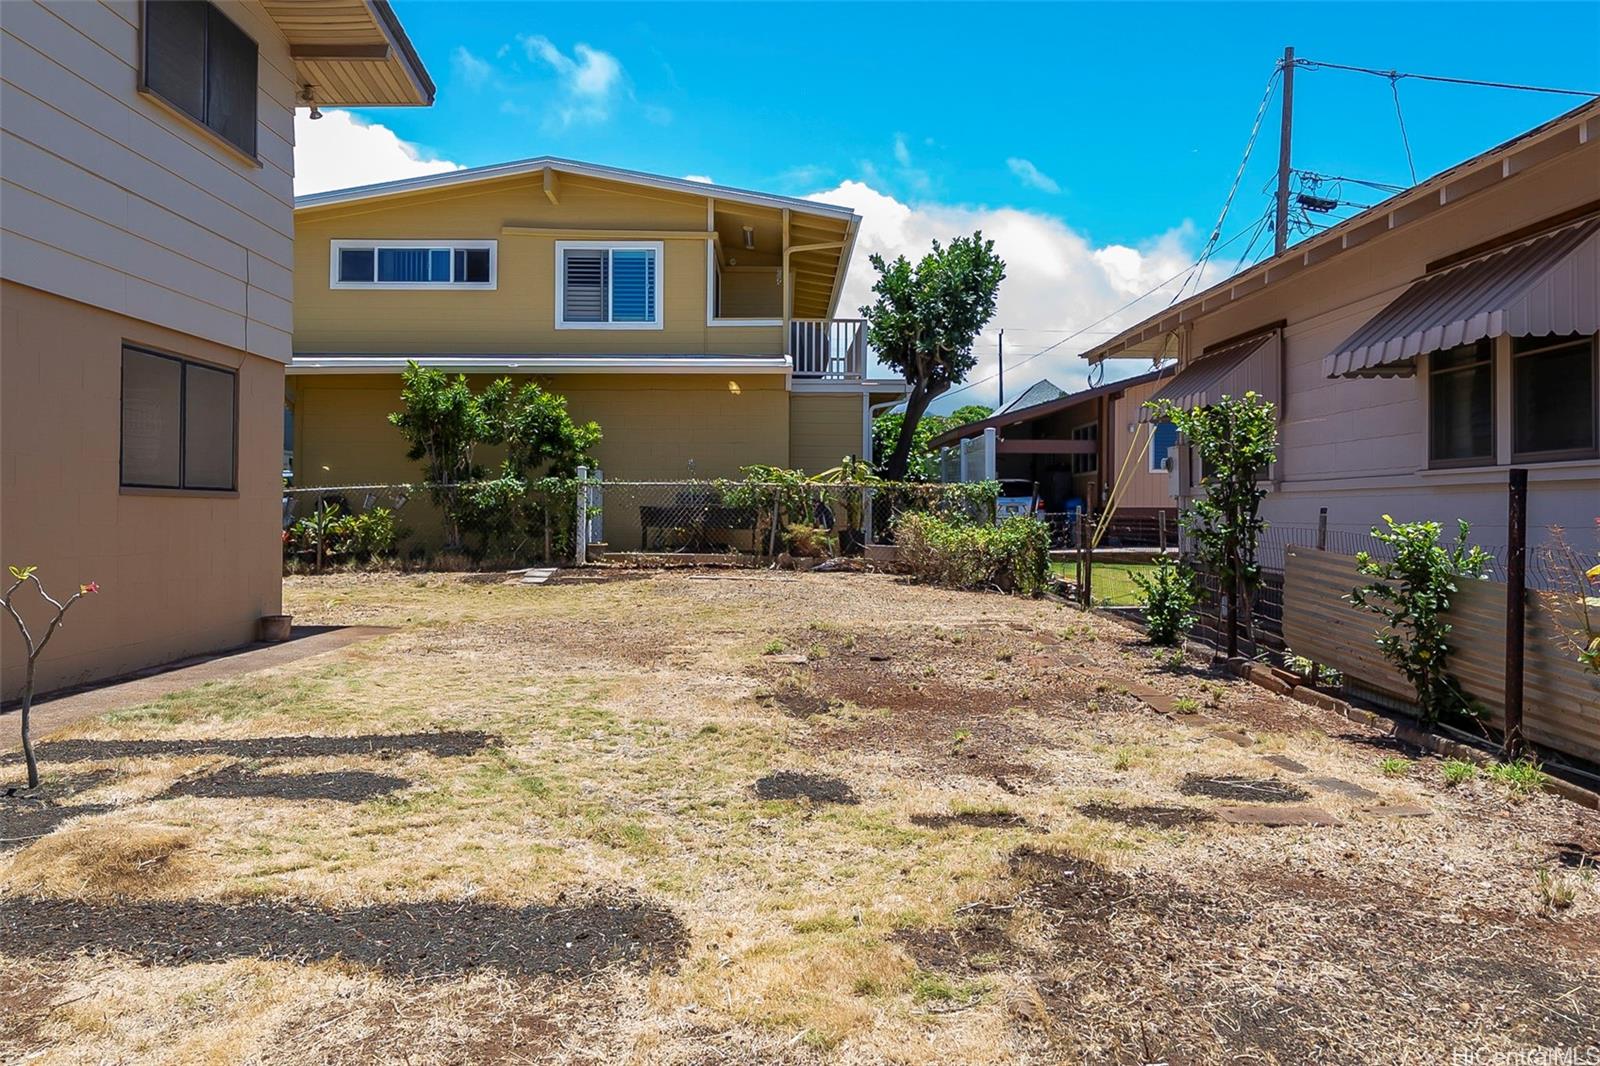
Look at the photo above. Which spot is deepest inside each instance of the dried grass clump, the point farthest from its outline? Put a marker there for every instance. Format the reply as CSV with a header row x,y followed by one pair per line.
x,y
100,861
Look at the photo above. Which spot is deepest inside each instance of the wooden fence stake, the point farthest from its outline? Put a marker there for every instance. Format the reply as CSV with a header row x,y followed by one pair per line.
x,y
1516,605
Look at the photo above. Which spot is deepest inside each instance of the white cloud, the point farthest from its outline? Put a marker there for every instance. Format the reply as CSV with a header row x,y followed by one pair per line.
x,y
701,178
1032,176
1056,280
474,71
340,150
902,154
590,78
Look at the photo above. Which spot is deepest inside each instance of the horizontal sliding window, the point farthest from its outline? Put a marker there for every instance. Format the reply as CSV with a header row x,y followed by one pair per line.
x,y
1553,398
608,286
1461,405
198,61
412,265
179,423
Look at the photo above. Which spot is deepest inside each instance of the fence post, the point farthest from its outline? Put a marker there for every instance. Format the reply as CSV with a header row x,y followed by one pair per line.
x,y
581,532
546,557
1161,530
1322,529
1516,605
1088,562
867,516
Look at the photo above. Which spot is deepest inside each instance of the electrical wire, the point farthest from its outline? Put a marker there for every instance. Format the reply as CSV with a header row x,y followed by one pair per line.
x,y
1314,177
1394,87
1222,218
1396,75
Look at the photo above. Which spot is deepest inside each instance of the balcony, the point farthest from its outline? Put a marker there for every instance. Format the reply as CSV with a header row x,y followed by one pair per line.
x,y
829,349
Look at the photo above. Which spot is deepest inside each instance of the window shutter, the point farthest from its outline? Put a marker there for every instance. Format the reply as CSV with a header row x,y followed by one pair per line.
x,y
175,53
633,297
584,286
230,81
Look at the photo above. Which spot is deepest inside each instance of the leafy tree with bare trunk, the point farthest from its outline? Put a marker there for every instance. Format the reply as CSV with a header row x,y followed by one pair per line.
x,y
923,320
23,575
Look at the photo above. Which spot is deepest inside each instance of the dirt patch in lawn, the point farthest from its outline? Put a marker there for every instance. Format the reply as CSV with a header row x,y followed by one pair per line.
x,y
433,938
1148,816
972,820
816,788
1242,789
236,782
22,821
381,745
799,702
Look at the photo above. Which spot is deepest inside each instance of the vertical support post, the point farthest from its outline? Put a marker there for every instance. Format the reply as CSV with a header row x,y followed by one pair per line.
x,y
1088,562
866,515
1322,529
580,533
1161,530
1516,605
772,534
1000,359
990,459
1280,228
1077,531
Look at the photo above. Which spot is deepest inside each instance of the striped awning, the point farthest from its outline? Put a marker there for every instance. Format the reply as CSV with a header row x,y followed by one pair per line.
x,y
1247,365
1547,285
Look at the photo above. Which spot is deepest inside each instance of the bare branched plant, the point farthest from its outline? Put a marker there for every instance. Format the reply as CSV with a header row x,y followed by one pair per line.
x,y
24,575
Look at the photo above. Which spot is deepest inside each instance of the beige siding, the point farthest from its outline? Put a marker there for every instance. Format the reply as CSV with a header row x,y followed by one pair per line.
x,y
1144,489
823,429
110,198
657,427
518,316
752,293
179,573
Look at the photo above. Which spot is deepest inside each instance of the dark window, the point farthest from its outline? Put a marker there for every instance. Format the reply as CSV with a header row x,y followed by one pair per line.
x,y
355,264
198,61
1553,397
1461,405
472,265
403,264
179,423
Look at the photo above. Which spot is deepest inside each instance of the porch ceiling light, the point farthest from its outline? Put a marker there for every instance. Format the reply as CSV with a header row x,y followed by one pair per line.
x,y
750,237
310,101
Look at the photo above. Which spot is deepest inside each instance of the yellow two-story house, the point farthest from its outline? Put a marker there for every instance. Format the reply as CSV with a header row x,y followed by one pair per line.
x,y
695,323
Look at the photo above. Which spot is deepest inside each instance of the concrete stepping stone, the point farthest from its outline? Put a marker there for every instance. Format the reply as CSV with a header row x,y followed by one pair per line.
x,y
1283,762
539,575
1275,817
1342,787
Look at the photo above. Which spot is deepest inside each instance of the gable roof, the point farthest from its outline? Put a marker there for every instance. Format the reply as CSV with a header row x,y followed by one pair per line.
x,y
1562,134
1066,401
516,168
1042,391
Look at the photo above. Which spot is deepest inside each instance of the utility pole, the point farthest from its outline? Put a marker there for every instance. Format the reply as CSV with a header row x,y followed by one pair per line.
x,y
1280,229
1001,402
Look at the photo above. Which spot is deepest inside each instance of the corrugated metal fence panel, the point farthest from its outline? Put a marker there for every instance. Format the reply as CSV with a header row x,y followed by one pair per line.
x,y
1561,703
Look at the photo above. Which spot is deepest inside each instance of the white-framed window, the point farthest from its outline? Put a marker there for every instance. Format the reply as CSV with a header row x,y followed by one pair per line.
x,y
1163,438
413,264
608,284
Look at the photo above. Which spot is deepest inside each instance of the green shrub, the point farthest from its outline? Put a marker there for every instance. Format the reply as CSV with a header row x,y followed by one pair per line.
x,y
1169,600
1013,556
345,538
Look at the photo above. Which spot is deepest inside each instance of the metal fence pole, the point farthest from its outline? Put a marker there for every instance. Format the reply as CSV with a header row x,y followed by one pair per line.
x,y
1516,606
580,541
1161,530
1322,529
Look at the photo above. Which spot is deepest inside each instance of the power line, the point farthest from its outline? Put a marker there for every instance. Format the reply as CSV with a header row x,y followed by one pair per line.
x,y
1222,218
1396,75
1379,185
1394,87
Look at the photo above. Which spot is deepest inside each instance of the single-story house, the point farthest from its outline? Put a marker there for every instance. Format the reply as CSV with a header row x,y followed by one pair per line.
x,y
1420,349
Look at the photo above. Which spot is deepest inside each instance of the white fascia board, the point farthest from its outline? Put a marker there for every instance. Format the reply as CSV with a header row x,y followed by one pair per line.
x,y
478,364
849,387
569,166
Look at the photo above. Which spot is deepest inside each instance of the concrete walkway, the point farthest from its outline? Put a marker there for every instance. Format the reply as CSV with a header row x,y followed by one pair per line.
x,y
61,709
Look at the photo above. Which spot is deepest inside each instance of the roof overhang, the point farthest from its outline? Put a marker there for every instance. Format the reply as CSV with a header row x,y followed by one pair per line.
x,y
1044,410
351,53
1561,135
1233,369
1547,285
539,364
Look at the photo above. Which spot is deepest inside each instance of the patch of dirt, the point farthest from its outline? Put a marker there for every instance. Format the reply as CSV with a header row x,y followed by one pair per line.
x,y
236,782
793,785
1151,816
973,820
382,745
1576,854
1242,789
22,821
980,944
62,787
399,939
797,702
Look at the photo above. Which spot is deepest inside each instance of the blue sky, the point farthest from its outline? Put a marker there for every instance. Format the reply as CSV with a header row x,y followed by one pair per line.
x,y
1106,133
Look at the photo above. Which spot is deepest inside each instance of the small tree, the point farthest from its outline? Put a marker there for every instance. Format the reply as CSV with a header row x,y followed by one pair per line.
x,y
1237,440
23,575
443,423
1412,592
922,465
923,321
1169,599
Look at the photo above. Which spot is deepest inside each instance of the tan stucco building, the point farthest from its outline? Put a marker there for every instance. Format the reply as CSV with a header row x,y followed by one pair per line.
x,y
145,306
694,322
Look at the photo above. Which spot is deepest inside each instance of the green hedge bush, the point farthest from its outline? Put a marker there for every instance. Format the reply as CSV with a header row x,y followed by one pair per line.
x,y
1013,556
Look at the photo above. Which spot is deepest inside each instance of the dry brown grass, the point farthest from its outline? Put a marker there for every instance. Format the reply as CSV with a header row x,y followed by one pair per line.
x,y
105,861
634,718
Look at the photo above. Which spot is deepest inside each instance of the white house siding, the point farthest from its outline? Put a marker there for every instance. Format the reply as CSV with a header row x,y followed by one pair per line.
x,y
1359,446
111,199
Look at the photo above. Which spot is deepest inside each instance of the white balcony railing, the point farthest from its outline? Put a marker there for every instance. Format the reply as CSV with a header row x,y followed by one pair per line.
x,y
829,349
